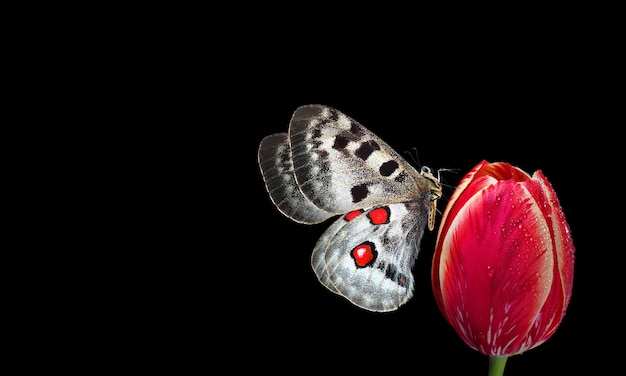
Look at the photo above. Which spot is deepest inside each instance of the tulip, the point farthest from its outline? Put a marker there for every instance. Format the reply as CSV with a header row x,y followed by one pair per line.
x,y
503,266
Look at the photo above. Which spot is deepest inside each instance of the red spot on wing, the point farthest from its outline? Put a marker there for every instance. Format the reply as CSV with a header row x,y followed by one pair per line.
x,y
364,254
379,216
353,214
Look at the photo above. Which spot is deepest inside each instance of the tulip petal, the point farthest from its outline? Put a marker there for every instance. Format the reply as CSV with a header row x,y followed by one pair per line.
x,y
562,236
504,171
495,266
481,176
556,304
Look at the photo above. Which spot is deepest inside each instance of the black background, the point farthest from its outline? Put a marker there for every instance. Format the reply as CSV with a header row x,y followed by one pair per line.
x,y
230,278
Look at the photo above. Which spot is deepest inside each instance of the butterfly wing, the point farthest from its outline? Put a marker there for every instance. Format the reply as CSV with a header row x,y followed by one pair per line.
x,y
340,166
274,157
328,164
367,256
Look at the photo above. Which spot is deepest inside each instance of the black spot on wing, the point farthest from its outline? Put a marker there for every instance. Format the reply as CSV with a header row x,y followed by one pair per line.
x,y
317,132
393,274
391,271
388,168
334,116
356,130
401,177
359,192
366,149
317,144
322,153
340,143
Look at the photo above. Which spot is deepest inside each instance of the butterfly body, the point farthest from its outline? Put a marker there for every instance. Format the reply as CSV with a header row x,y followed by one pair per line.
x,y
328,165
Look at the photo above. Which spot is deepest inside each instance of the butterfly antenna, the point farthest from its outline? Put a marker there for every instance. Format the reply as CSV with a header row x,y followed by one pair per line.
x,y
413,155
439,171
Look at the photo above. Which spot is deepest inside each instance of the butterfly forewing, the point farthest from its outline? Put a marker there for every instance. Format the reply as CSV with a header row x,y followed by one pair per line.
x,y
328,164
341,166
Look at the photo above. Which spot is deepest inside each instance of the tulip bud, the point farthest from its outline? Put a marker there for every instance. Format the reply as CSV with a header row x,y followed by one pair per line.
x,y
503,266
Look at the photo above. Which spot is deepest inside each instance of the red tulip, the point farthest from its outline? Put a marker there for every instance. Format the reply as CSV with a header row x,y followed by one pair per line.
x,y
503,267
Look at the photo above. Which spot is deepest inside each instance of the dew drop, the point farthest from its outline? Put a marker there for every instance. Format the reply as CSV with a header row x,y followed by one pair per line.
x,y
482,336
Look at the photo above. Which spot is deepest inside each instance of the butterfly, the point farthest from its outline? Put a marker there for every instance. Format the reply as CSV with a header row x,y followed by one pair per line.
x,y
329,165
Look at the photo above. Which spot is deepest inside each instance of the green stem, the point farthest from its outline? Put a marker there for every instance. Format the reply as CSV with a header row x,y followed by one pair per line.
x,y
496,365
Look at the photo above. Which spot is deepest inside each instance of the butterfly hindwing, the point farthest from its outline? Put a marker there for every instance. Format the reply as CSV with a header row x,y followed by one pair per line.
x,y
327,164
367,256
274,157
